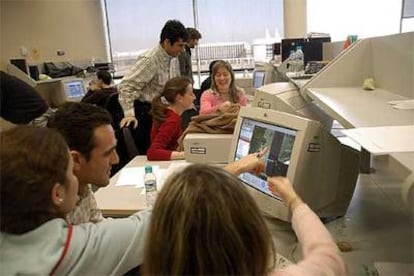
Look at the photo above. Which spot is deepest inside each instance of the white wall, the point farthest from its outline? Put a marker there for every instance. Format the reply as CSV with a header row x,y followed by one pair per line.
x,y
45,26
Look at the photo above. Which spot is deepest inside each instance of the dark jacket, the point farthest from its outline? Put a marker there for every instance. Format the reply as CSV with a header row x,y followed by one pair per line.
x,y
20,103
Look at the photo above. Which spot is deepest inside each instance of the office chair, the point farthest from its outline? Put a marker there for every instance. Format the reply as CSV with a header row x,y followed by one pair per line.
x,y
115,109
128,139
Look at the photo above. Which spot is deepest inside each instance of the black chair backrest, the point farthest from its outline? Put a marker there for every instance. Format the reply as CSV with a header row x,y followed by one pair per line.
x,y
131,148
114,107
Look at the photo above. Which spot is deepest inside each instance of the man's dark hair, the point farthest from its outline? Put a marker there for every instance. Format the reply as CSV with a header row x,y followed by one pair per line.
x,y
193,33
77,123
173,30
105,76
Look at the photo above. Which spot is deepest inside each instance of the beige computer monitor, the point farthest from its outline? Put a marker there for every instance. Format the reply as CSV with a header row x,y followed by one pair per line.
x,y
321,169
74,89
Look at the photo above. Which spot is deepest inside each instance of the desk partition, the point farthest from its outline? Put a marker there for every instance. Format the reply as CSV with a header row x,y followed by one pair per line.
x,y
337,89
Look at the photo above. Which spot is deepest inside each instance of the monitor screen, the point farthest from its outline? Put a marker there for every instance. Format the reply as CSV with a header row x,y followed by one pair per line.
x,y
74,89
301,150
258,78
256,135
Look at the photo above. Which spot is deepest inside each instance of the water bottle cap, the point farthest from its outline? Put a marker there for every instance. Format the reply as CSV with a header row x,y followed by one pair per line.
x,y
148,169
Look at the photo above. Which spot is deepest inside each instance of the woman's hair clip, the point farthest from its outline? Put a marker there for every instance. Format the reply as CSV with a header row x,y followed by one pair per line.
x,y
164,100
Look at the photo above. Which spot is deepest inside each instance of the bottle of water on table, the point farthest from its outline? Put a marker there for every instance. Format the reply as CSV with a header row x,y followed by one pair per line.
x,y
300,60
150,183
291,63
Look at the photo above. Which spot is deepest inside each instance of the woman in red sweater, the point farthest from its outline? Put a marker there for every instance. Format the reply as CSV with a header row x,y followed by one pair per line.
x,y
167,108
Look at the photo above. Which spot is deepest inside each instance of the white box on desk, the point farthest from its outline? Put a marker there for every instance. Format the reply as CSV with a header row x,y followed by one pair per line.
x,y
207,148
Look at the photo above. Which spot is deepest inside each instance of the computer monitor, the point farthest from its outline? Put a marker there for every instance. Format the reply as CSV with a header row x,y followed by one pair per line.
x,y
311,47
276,48
313,50
74,89
289,44
264,73
258,78
321,169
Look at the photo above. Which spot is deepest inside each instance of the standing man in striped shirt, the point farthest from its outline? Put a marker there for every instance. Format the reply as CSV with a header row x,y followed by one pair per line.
x,y
147,77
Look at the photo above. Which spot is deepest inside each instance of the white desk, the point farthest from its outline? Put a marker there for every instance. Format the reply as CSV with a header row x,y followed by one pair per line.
x,y
300,80
355,107
121,201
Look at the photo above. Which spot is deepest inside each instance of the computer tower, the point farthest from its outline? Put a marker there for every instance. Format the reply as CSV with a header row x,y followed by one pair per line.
x,y
34,72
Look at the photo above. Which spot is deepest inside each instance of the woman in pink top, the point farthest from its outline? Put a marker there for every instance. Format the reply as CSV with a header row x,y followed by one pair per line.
x,y
206,223
223,90
321,256
176,97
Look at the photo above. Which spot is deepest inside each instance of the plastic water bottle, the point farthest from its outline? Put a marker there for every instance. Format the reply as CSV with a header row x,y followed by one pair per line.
x,y
150,183
300,62
291,61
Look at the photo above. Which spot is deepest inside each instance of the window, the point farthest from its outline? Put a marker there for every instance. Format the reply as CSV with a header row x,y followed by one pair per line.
x,y
407,20
229,28
133,28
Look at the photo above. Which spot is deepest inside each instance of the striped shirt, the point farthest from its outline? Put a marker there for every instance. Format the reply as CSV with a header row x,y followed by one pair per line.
x,y
147,77
86,209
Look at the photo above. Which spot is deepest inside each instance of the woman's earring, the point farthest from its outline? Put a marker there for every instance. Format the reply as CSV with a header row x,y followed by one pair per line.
x,y
60,200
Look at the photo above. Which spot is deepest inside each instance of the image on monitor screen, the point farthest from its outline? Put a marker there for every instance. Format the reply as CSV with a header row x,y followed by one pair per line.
x,y
74,89
279,141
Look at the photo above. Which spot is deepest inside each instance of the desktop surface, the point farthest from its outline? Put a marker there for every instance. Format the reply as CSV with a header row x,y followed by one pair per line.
x,y
299,79
355,107
128,199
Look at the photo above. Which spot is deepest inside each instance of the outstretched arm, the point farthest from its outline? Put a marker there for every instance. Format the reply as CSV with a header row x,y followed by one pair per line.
x,y
321,255
250,163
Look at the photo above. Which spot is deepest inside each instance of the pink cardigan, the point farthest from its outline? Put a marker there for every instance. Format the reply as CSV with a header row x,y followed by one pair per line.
x,y
210,101
321,255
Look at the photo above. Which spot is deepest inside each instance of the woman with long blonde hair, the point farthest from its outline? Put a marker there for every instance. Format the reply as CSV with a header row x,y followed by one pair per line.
x,y
206,223
223,91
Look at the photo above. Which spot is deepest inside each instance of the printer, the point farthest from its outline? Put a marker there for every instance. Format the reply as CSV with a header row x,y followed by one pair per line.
x,y
207,148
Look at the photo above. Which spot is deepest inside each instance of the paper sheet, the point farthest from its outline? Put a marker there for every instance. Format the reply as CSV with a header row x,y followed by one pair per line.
x,y
135,176
387,139
402,104
389,268
174,167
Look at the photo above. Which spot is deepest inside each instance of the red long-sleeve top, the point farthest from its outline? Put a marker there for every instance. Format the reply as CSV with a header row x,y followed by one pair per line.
x,y
164,139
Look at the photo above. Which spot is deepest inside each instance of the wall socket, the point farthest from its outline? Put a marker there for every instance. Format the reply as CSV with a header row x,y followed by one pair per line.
x,y
23,51
60,53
